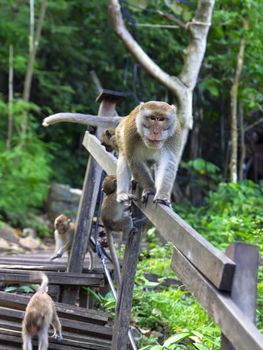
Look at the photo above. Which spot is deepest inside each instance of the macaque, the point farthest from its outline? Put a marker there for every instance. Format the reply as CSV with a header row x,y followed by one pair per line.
x,y
64,235
115,217
149,136
39,315
108,139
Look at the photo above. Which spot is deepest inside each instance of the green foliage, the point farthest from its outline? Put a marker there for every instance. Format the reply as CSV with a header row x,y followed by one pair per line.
x,y
233,213
24,168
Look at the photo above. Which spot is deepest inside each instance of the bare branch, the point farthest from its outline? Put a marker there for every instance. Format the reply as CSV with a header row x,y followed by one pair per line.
x,y
173,83
172,18
86,119
198,28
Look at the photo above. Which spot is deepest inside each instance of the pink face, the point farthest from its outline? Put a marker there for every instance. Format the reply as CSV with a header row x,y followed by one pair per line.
x,y
156,126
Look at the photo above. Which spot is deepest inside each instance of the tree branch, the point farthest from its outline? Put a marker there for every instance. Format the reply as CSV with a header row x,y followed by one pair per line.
x,y
86,119
172,18
173,83
198,29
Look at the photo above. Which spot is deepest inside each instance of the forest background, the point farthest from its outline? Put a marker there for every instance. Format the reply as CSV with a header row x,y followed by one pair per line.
x,y
75,38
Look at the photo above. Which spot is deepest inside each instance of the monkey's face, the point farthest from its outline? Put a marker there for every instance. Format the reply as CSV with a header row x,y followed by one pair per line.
x,y
62,224
109,184
156,125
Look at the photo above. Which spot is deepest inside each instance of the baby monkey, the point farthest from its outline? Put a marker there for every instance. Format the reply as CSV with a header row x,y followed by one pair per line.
x,y
39,315
108,139
115,217
64,235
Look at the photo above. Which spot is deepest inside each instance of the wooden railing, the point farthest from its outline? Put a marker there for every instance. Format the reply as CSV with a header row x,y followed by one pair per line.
x,y
224,284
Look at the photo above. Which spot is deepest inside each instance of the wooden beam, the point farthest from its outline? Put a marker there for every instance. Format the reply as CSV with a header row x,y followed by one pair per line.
x,y
242,333
244,289
88,202
105,159
214,264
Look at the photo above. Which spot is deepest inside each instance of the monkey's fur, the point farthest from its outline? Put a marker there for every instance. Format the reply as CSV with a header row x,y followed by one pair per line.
x,y
149,136
108,139
64,235
39,315
115,217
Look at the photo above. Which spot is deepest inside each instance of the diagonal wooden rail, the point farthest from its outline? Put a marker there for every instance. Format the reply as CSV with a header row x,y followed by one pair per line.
x,y
207,272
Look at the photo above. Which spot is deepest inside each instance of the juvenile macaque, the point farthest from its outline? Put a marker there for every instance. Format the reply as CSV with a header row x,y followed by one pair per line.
x,y
64,235
108,139
149,136
39,315
115,217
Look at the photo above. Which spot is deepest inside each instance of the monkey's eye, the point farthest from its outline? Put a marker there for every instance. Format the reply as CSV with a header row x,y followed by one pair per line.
x,y
160,119
152,117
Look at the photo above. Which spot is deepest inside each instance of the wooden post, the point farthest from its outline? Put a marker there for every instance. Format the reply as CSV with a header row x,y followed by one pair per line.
x,y
244,288
124,295
108,100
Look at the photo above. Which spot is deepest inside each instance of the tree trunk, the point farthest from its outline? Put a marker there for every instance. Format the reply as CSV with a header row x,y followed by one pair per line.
x,y
10,97
233,104
33,45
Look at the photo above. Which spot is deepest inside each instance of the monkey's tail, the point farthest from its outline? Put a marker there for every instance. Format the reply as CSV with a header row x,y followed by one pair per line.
x,y
114,257
86,119
39,275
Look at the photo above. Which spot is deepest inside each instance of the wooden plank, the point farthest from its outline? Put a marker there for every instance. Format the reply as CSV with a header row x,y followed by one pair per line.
x,y
87,205
14,328
67,324
9,342
244,289
124,295
94,147
215,265
234,324
60,278
19,302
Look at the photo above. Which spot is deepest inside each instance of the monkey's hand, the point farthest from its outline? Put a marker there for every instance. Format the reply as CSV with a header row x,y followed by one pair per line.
x,y
57,336
126,198
145,195
57,256
159,199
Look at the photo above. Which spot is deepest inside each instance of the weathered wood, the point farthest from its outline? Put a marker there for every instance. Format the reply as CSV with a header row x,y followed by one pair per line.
x,y
215,265
10,340
95,330
95,148
60,278
244,288
81,340
87,204
124,295
19,302
234,324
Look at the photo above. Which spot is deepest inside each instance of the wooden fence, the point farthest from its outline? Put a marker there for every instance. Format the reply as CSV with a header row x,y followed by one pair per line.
x,y
224,284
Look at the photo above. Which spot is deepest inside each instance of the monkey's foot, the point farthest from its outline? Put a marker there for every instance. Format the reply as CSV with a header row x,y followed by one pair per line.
x,y
126,198
55,257
145,195
57,336
162,200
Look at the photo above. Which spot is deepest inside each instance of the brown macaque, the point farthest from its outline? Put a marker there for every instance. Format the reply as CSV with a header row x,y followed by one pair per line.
x,y
39,315
150,136
115,217
108,139
64,235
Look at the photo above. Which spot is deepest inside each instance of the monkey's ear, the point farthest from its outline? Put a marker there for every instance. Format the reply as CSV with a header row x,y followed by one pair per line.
x,y
174,107
69,220
107,133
